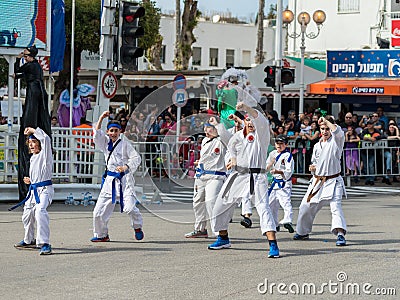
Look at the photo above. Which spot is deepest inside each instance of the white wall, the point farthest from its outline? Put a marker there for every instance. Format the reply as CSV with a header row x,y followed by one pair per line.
x,y
340,31
223,36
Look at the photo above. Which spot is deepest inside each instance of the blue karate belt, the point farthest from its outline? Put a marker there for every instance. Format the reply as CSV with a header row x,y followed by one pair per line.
x,y
118,176
32,186
280,182
200,171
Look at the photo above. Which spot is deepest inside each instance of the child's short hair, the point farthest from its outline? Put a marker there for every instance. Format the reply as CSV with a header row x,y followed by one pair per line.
x,y
32,137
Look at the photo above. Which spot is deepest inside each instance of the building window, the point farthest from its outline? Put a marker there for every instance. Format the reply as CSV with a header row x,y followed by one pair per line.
x,y
162,53
230,58
348,6
246,58
196,56
213,57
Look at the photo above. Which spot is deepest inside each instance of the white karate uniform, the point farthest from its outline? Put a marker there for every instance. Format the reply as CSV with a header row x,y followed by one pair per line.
x,y
282,162
123,154
250,152
246,202
41,169
207,186
326,156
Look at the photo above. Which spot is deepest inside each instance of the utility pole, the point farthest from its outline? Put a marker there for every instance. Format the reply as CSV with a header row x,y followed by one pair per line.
x,y
108,32
278,59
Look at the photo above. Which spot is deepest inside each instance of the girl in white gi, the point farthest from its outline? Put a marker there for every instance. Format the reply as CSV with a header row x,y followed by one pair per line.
x,y
210,175
327,186
122,160
248,150
40,193
280,161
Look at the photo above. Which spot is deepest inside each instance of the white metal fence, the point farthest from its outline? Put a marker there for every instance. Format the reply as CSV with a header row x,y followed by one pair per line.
x,y
77,161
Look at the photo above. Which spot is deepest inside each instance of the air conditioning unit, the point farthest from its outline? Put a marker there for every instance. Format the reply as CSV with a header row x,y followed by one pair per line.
x,y
211,80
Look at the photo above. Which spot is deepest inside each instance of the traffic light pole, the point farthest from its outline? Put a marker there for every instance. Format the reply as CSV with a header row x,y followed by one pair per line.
x,y
278,60
108,31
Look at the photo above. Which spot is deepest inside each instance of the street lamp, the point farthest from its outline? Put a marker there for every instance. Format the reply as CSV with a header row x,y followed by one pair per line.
x,y
303,18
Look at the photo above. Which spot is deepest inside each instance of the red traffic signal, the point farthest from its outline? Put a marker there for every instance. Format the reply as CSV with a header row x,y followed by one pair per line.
x,y
132,12
130,31
271,73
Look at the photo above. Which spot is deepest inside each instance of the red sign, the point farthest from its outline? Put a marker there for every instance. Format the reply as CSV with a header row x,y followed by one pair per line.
x,y
395,33
179,82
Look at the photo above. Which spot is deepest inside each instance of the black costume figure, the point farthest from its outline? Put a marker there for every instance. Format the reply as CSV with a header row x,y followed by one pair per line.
x,y
35,112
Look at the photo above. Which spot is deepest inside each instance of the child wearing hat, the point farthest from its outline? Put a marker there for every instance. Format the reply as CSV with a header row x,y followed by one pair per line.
x,y
122,160
40,192
281,166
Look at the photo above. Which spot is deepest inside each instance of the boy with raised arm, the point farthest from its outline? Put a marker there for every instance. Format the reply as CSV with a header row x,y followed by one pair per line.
x,y
122,160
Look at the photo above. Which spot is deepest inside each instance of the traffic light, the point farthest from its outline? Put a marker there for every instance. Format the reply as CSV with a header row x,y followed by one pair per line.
x,y
287,76
270,79
130,31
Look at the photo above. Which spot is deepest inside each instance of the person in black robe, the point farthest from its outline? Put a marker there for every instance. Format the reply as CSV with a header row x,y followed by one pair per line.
x,y
35,112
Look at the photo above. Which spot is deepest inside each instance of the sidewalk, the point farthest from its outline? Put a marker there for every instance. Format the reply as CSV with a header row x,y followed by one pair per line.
x,y
165,265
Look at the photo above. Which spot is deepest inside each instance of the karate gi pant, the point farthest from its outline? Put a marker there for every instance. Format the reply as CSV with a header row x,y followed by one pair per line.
x,y
225,206
205,195
104,208
37,212
247,206
308,211
281,197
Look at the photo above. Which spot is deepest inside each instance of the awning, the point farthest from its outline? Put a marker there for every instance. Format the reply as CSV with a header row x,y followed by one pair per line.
x,y
157,81
294,95
317,64
376,87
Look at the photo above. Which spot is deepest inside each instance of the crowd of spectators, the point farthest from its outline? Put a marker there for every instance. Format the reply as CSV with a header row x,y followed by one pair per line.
x,y
303,129
152,126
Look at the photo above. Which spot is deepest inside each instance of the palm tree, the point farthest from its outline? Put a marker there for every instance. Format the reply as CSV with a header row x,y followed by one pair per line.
x,y
260,33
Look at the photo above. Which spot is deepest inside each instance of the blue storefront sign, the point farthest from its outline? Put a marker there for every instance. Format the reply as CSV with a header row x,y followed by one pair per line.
x,y
363,64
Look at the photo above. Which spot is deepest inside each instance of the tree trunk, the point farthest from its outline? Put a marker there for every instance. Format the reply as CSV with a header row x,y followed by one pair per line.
x,y
259,59
186,38
155,53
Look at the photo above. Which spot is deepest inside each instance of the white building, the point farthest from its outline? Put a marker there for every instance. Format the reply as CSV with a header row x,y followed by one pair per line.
x,y
218,45
350,24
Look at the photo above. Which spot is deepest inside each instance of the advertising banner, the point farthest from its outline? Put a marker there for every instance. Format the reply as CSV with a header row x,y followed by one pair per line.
x,y
395,33
363,64
23,23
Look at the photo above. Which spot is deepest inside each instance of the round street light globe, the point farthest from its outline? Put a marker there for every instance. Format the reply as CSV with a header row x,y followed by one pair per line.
x,y
303,18
319,17
287,16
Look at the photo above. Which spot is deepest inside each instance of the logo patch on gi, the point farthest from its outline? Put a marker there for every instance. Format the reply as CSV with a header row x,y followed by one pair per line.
x,y
250,138
217,151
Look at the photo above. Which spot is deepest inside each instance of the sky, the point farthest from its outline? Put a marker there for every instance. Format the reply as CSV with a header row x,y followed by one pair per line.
x,y
243,9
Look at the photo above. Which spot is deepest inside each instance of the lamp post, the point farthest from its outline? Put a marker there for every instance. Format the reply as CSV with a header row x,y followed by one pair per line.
x,y
303,18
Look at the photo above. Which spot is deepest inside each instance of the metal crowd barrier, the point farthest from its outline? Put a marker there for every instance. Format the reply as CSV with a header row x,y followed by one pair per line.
x,y
369,160
77,161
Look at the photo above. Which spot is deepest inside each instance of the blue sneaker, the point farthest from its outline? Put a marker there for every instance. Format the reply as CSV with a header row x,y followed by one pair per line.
x,y
139,235
23,245
341,241
273,251
301,237
100,240
219,244
45,250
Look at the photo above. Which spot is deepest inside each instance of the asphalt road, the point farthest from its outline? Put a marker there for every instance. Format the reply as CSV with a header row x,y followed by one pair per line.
x,y
165,265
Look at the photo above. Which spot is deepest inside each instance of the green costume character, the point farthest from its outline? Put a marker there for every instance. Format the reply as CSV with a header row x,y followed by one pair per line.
x,y
227,99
